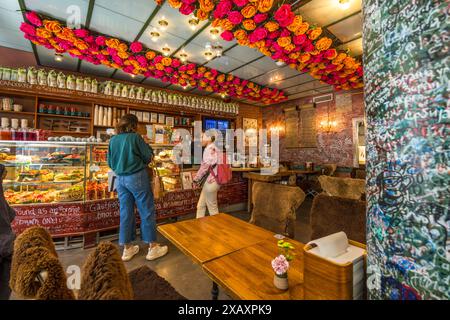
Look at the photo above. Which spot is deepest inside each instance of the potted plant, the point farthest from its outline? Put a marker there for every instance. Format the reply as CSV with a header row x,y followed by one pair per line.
x,y
281,264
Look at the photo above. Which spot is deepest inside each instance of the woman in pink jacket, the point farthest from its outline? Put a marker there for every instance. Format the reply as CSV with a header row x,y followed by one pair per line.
x,y
208,196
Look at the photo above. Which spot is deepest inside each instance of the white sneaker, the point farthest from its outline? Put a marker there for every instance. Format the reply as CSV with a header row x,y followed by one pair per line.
x,y
129,253
156,252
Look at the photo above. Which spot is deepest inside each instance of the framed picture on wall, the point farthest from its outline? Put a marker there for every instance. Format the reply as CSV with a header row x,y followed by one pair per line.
x,y
154,117
161,118
146,117
250,128
186,180
169,121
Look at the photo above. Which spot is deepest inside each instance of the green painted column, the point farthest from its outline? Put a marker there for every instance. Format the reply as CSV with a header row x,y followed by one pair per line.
x,y
406,70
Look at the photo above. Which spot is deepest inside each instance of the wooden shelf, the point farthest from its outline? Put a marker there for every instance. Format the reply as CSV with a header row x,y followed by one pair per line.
x,y
70,132
17,112
100,126
62,116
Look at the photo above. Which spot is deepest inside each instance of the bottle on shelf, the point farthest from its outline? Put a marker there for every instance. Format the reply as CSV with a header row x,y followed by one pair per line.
x,y
109,118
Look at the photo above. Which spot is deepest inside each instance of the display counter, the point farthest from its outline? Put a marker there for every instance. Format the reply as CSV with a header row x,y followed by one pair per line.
x,y
63,187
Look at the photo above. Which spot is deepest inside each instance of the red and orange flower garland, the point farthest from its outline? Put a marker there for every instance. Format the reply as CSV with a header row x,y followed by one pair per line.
x,y
280,34
133,58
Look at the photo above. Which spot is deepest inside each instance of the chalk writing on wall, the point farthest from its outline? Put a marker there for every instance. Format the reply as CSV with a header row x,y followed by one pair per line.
x,y
308,128
407,73
291,127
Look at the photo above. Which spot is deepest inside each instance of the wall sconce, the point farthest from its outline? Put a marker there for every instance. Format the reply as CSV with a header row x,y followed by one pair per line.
x,y
59,57
344,4
218,50
328,126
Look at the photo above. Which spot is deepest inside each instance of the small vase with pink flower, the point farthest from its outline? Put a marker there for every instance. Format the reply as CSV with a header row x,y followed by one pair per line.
x,y
281,265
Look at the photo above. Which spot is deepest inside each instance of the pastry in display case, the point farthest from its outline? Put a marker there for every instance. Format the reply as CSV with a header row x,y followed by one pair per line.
x,y
166,168
52,172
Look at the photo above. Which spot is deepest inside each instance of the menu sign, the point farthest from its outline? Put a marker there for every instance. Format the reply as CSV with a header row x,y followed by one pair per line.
x,y
291,127
308,130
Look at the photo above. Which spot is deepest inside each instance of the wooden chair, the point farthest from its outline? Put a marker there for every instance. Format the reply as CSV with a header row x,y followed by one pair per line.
x,y
274,207
330,214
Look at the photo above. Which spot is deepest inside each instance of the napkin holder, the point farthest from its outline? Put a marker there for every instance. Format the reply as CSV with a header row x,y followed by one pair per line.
x,y
325,279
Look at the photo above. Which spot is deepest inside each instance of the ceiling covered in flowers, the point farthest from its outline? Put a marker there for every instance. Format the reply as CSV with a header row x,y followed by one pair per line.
x,y
164,30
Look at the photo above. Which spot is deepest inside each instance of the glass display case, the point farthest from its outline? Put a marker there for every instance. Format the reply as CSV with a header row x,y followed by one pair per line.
x,y
49,172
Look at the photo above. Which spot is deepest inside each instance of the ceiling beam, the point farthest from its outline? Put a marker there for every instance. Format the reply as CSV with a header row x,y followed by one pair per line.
x,y
191,38
87,24
33,46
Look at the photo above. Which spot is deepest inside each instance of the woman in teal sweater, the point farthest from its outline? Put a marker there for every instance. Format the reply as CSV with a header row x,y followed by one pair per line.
x,y
128,157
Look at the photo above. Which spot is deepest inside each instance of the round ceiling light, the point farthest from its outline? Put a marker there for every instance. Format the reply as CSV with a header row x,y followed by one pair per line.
x,y
344,4
166,50
154,36
59,57
183,56
163,24
193,23
214,32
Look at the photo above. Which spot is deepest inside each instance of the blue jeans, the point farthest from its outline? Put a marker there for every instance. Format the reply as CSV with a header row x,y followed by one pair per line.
x,y
136,189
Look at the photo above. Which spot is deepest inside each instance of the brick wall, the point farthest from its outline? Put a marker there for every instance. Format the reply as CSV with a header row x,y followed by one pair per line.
x,y
332,147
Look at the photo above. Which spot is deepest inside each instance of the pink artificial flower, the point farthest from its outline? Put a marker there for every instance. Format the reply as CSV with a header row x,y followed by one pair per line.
x,y
240,3
157,59
285,33
28,29
117,60
33,18
187,9
308,46
222,9
89,39
100,40
142,61
280,265
260,17
174,80
235,17
188,1
136,47
183,68
175,63
159,74
111,51
259,34
101,57
168,70
81,33
190,66
66,45
227,35
300,39
274,34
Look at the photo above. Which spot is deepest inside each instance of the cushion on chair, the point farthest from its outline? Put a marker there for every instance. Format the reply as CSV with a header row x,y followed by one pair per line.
x,y
343,187
104,276
274,207
148,285
333,214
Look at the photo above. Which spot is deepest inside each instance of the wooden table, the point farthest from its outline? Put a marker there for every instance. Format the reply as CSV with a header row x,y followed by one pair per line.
x,y
212,237
247,169
253,176
247,273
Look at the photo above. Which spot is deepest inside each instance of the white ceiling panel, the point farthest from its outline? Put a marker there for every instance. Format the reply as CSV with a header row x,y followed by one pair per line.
x,y
348,29
114,24
324,12
154,82
10,20
302,94
205,36
121,75
165,39
98,70
194,52
304,87
224,63
47,58
298,80
355,47
247,72
244,54
60,9
275,77
265,64
139,9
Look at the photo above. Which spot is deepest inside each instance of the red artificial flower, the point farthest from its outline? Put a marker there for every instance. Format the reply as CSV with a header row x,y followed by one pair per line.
x,y
188,1
81,33
240,3
284,15
257,35
34,18
175,63
227,35
235,17
222,9
28,29
100,40
136,47
260,17
300,39
187,9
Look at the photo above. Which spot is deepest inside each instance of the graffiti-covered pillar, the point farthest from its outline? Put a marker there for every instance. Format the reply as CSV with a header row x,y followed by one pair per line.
x,y
406,65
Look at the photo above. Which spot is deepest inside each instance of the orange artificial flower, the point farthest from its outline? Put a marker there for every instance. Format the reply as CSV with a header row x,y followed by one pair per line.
x,y
315,33
248,11
230,77
284,41
294,55
66,34
105,62
159,66
315,52
323,43
216,23
112,43
126,62
240,35
304,57
289,47
271,26
265,51
265,5
122,55
166,61
122,47
201,15
340,57
150,55
249,24
75,52
226,24
134,63
221,78
302,28
201,69
206,5
52,26
175,3
104,52
292,65
43,33
295,24
115,65
192,71
322,66
80,44
339,67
